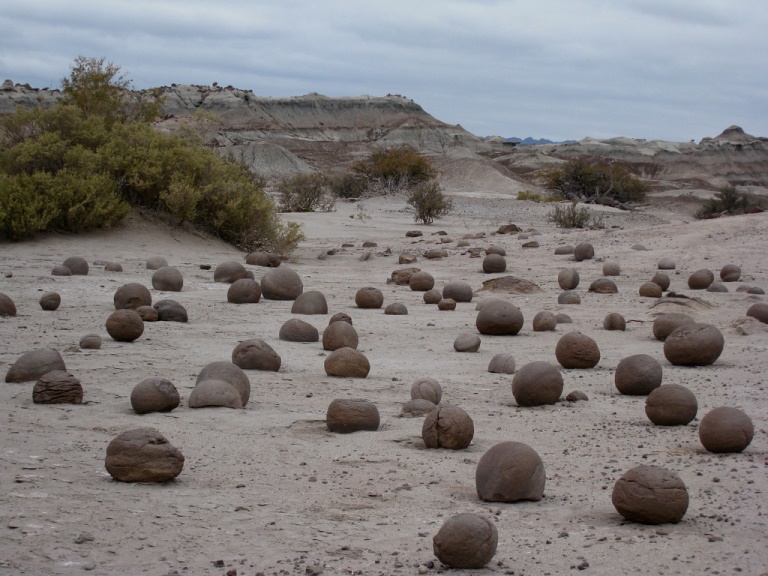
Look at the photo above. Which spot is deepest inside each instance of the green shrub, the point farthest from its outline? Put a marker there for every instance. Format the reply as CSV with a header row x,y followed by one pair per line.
x,y
574,216
429,202
589,180
349,185
305,193
395,169
729,200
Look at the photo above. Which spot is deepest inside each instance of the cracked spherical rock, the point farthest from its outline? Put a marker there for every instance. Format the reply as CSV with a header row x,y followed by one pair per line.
x,y
650,290
510,472
726,429
568,278
255,354
212,393
50,301
369,297
502,363
448,427
638,375
143,455
229,271
499,318
694,345
347,363
131,296
421,281
227,372
167,279
170,311
281,284
494,264
90,342
310,303
77,265
650,495
701,279
466,342
544,322
352,415
7,305
466,540
665,324
577,350
537,384
671,405
244,291
295,330
459,291
730,273
432,296
31,366
759,311
427,388
339,334
614,321
57,387
125,325
155,263
603,286
154,395
583,251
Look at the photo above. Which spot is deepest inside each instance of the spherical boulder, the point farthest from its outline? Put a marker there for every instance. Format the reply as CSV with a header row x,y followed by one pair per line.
x,y
614,321
638,375
295,330
662,280
494,264
212,393
244,291
131,296
7,305
459,291
61,270
281,284
448,427
396,309
717,287
50,301
433,296
77,265
167,279
537,384
563,318
569,297
90,342
466,540
147,313
603,286
416,407
730,273
671,405
339,334
510,472
611,269
499,318
726,429
544,322
309,303
694,345
227,372
57,387
564,250
156,262
347,363
666,264
125,325
229,271
583,251
265,259
759,311
568,278
143,455
35,364
154,395
446,304
427,388
113,267
369,297
421,281
466,342
701,279
352,415
496,250
340,317
650,290
577,350
650,495
170,311
255,354
665,324
402,277
502,363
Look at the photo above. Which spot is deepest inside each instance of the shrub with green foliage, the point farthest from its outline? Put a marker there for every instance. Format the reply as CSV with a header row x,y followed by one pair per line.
x,y
429,202
350,185
395,169
305,193
729,200
588,180
574,216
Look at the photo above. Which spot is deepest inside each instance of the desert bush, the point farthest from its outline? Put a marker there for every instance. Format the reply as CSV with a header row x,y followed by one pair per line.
x,y
305,193
730,200
589,180
429,202
395,169
574,216
528,195
349,185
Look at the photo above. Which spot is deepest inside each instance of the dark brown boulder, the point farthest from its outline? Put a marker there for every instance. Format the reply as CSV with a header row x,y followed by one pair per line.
x,y
446,304
496,250
759,311
167,279
77,265
576,350
427,388
537,384
154,395
281,284
50,301
614,321
638,375
508,229
143,455
402,277
396,309
421,281
603,286
662,280
90,342
701,279
264,259
466,342
295,330
340,317
170,311
650,290
730,273
611,269
494,264
155,263
347,363
502,363
568,278
510,472
255,354
726,429
466,541
544,322
227,372
352,415
569,297
147,313
458,291
125,325
650,495
131,296
448,427
244,291
499,318
583,251
339,334
369,297
671,405
309,303
31,366
433,296
7,305
694,345
229,271
665,324
211,393
57,387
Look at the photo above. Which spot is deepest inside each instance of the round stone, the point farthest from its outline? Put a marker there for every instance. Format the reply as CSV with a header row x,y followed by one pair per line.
x,y
755,290
576,350
701,279
406,258
295,330
671,405
352,415
568,278
563,319
467,343
502,363
537,384
227,372
265,259
347,363
498,250
125,325
255,354
281,284
154,395
131,296
61,270
167,279
244,291
565,250
510,472
369,297
7,305
147,313
211,393
614,321
340,317
730,273
448,427
416,407
50,301
569,297
466,541
432,296
421,281
170,311
57,387
494,264
603,286
726,429
759,311
310,303
427,388
611,269
638,375
31,366
143,455
666,264
446,304
77,265
662,280
396,309
650,290
583,251
717,287
459,291
499,318
665,324
156,262
90,342
230,271
339,334
650,495
113,267
694,345
544,322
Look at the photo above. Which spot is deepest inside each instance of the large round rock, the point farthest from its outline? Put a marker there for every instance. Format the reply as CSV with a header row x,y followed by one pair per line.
x,y
227,372
427,388
694,345
211,393
650,290
57,387
544,322
170,311
568,278
671,405
147,313
143,455
466,541
347,363
650,495
155,263
726,429
510,472
536,384
638,375
576,350
494,264
603,286
458,291
244,291
730,273
32,365
310,302
77,265
433,296
339,335
90,342
265,259
701,279
499,318
168,279
759,311
255,354
230,271
154,395
665,324
583,251
369,297
448,427
502,363
569,297
131,296
662,280
421,281
125,325
352,415
7,305
614,321
295,330
50,301
466,342
281,284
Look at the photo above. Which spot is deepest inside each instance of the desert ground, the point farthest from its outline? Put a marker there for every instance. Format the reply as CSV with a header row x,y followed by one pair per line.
x,y
270,490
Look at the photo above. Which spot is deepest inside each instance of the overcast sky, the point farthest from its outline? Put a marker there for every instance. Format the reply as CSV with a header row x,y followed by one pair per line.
x,y
558,69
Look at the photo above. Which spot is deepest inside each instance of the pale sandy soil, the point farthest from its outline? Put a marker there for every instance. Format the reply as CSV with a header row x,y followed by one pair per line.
x,y
269,489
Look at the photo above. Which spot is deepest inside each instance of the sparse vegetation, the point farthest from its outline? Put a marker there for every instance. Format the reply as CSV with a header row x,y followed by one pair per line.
x,y
574,216
350,185
395,169
536,197
731,201
590,181
428,200
305,193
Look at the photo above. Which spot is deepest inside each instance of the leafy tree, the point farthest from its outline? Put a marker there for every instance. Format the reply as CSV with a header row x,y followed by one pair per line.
x,y
588,180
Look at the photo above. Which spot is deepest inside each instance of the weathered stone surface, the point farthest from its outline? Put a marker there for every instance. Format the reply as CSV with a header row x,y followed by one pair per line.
x,y
90,342
339,334
170,311
147,313
57,387
281,284
311,302
244,291
446,304
396,309
125,325
421,281
61,270
650,290
510,285
759,311
168,279
154,395
614,321
211,393
694,345
494,264
156,262
536,384
7,305
544,321
496,250
347,363
265,259
568,278
466,540
255,354
369,297
414,234
50,301
340,317
295,330
662,280
466,342
701,279
603,286
717,287
502,363
638,375
726,429
448,427
406,258
432,296
671,405
427,388
730,273
665,324
77,265
510,472
499,318
402,277
143,455
650,495
611,269
131,296
577,350
666,264
352,415
458,291
229,271
227,372
583,251
416,407
569,297
564,250
563,318
436,253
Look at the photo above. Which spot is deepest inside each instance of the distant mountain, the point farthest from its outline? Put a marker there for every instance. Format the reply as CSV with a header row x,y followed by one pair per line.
x,y
530,141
